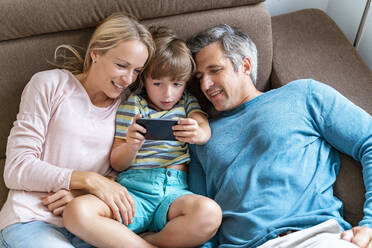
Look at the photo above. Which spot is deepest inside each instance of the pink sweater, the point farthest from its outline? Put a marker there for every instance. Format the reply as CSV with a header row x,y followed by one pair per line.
x,y
57,130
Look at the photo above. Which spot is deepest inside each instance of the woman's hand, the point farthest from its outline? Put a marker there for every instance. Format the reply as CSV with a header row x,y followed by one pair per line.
x,y
112,193
57,201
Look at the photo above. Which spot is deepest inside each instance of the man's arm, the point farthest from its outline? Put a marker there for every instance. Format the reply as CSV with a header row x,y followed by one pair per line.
x,y
348,128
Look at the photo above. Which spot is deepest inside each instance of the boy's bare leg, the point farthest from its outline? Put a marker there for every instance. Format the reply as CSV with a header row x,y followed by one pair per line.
x,y
90,219
192,220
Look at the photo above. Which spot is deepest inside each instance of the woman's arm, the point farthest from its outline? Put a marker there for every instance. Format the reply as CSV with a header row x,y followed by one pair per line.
x,y
24,169
57,201
112,193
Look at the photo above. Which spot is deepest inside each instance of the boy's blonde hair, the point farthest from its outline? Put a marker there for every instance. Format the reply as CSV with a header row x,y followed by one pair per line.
x,y
172,58
113,30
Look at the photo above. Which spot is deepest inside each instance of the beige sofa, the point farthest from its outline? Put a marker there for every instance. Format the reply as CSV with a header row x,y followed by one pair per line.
x,y
304,44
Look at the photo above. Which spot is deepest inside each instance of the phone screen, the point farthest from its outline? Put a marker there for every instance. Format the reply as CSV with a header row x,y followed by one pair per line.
x,y
158,129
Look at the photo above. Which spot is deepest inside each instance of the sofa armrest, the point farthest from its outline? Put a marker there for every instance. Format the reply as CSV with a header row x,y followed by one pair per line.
x,y
309,44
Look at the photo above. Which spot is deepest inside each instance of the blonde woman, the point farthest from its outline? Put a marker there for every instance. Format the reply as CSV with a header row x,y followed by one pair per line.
x,y
60,144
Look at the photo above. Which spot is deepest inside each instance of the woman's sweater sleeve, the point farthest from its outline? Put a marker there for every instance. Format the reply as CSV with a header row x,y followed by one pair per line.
x,y
24,169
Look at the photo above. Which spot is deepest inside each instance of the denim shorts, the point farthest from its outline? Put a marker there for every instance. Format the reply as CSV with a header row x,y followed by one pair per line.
x,y
153,191
39,234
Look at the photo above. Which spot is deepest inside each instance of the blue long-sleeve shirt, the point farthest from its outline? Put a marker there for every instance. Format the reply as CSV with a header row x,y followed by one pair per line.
x,y
271,163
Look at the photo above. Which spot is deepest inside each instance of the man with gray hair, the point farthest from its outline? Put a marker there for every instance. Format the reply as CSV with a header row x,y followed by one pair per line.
x,y
271,161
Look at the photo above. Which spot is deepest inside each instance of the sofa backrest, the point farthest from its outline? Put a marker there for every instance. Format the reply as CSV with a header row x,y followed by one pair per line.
x,y
32,29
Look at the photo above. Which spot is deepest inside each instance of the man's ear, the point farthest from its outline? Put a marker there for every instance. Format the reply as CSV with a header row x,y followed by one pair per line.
x,y
247,66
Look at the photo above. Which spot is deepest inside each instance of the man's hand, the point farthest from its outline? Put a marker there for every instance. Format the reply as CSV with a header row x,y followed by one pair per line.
x,y
57,201
359,235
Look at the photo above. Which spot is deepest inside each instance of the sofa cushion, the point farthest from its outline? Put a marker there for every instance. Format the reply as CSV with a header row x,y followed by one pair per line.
x,y
349,188
24,18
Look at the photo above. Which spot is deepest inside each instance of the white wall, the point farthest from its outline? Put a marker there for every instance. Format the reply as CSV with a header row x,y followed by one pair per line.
x,y
277,7
347,14
365,45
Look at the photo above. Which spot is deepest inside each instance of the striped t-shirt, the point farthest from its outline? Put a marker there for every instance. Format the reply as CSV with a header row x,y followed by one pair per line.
x,y
155,153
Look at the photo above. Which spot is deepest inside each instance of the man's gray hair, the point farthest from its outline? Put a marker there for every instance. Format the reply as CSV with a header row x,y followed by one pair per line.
x,y
235,43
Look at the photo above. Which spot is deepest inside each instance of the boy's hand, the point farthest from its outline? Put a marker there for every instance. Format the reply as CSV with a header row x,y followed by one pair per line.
x,y
135,134
188,130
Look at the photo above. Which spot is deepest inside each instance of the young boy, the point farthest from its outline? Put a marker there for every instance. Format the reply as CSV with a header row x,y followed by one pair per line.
x,y
156,196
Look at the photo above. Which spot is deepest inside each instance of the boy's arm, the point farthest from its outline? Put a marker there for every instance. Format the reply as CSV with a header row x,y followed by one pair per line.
x,y
204,131
124,150
121,155
193,130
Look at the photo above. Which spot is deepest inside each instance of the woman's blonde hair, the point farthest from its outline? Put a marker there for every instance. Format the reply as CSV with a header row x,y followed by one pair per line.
x,y
172,58
116,28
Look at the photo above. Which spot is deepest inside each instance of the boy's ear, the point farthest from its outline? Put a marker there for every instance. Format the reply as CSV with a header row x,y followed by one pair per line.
x,y
247,66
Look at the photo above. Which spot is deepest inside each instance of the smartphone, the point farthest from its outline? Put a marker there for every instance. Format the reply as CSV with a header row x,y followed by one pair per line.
x,y
158,129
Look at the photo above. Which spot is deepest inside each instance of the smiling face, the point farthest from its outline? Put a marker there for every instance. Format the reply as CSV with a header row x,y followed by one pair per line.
x,y
116,69
225,88
164,93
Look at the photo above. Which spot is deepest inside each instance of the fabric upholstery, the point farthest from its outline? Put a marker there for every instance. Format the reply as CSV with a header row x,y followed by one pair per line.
x,y
3,189
25,18
350,189
309,44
